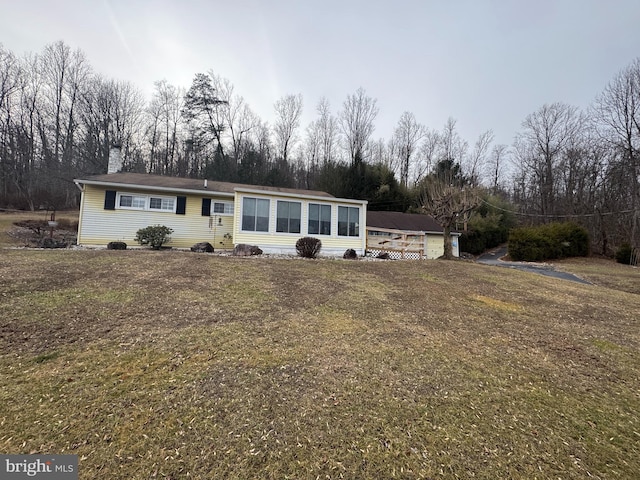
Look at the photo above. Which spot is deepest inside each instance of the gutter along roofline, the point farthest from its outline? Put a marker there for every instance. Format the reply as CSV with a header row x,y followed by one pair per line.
x,y
258,191
132,186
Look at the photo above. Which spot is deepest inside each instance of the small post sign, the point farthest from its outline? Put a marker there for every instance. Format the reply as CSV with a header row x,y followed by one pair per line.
x,y
45,467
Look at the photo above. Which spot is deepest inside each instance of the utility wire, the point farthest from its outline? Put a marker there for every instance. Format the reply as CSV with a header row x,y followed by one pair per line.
x,y
540,215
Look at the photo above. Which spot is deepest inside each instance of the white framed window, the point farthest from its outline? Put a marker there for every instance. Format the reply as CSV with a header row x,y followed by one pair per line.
x,y
288,217
221,208
319,219
131,201
166,204
255,214
349,221
135,202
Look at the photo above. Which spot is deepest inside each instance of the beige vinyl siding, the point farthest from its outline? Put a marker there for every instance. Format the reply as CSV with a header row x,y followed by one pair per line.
x,y
276,242
100,226
435,245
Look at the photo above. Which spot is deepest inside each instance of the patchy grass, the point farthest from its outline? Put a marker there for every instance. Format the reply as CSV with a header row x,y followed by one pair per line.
x,y
12,235
180,365
604,272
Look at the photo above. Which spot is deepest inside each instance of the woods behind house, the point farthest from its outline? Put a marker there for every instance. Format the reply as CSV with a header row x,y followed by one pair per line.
x,y
59,117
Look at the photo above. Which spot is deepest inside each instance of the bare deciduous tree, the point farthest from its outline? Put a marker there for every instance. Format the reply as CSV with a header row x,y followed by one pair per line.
x,y
427,155
495,166
617,111
328,131
547,134
476,160
406,138
446,200
165,112
356,121
288,112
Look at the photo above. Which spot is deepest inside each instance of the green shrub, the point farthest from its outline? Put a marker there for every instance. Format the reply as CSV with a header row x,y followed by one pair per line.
x,y
308,247
155,236
623,254
489,226
546,242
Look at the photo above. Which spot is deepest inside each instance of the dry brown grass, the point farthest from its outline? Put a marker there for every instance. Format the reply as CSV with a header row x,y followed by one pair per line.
x,y
180,365
14,236
604,272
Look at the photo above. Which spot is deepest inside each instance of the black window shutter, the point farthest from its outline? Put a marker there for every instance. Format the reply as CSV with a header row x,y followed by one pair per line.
x,y
206,207
110,200
181,205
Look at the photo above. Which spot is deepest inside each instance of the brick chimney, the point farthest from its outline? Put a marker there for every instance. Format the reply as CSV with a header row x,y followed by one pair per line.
x,y
115,159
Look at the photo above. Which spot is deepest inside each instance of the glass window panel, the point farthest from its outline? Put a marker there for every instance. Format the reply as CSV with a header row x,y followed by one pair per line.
x,y
314,219
288,217
249,214
348,221
343,219
138,202
262,220
325,220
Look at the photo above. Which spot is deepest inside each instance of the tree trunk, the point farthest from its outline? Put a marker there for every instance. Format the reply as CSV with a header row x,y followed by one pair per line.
x,y
448,245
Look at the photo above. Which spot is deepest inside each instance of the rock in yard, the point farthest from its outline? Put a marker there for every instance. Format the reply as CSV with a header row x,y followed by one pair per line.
x,y
202,247
52,243
244,250
350,254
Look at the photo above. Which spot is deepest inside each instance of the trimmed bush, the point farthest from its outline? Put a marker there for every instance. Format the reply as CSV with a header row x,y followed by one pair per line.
x,y
623,254
116,246
308,247
546,242
154,236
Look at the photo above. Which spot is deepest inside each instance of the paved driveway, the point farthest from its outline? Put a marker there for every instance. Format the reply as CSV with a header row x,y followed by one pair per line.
x,y
493,258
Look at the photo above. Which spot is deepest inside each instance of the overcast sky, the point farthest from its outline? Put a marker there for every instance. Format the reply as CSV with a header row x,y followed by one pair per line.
x,y
485,63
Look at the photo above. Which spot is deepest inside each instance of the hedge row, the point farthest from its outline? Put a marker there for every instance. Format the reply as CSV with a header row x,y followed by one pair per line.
x,y
546,242
477,241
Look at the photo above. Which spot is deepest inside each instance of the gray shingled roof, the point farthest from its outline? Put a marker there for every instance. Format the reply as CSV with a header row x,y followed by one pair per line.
x,y
413,222
147,180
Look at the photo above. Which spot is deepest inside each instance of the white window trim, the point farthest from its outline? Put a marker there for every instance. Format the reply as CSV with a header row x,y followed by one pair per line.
x,y
225,203
332,228
269,225
301,203
147,202
359,224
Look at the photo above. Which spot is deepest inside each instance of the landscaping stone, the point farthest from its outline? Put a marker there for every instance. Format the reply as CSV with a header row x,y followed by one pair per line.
x,y
350,254
244,250
202,247
52,243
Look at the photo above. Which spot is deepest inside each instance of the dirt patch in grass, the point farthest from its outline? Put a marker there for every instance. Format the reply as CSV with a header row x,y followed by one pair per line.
x,y
176,365
28,229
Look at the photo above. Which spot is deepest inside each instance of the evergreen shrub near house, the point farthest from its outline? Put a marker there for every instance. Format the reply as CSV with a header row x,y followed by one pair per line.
x,y
623,254
308,247
155,236
547,242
